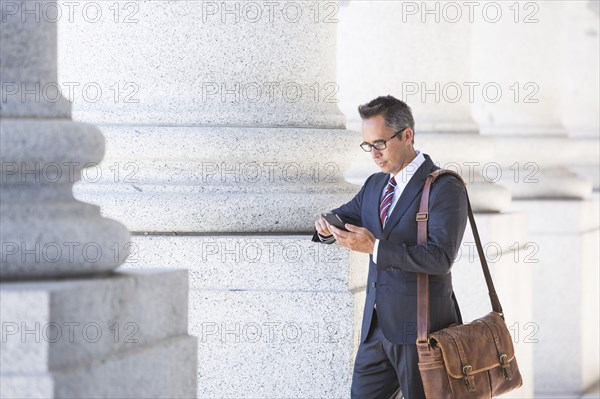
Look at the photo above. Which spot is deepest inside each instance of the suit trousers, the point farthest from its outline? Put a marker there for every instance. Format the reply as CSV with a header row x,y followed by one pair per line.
x,y
385,370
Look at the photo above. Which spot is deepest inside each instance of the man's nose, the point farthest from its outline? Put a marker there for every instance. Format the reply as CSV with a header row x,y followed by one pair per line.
x,y
375,153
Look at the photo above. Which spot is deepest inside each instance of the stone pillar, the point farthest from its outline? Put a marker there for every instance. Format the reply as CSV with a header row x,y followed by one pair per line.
x,y
422,52
70,327
535,151
522,109
510,255
581,103
212,119
43,153
580,110
227,122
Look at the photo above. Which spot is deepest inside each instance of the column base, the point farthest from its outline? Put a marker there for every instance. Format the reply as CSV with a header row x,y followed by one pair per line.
x,y
566,294
123,335
219,179
508,251
273,314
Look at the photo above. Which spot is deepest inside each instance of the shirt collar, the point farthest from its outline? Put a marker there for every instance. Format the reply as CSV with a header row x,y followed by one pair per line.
x,y
409,170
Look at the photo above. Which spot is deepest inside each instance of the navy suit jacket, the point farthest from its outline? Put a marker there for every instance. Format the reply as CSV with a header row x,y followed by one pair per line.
x,y
392,282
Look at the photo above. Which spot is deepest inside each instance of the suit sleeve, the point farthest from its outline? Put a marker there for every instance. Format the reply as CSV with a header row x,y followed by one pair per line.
x,y
446,226
349,212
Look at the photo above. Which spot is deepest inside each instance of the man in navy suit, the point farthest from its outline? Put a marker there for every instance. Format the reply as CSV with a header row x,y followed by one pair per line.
x,y
381,220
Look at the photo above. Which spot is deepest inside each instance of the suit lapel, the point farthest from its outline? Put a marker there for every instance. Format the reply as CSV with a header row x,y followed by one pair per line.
x,y
374,210
412,189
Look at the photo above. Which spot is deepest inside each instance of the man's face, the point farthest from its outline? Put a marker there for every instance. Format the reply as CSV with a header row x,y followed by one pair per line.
x,y
399,151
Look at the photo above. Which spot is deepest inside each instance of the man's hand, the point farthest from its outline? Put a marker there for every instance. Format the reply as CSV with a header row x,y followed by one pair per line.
x,y
323,227
357,238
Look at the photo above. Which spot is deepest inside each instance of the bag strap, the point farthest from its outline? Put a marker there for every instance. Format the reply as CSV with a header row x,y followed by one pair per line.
x,y
422,278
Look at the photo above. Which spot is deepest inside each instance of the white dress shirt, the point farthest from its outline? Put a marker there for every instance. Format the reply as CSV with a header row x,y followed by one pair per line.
x,y
402,179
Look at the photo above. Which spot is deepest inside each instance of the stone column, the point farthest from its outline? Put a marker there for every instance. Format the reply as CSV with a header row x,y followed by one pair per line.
x,y
522,54
220,114
226,123
581,103
421,52
580,110
522,109
43,153
71,327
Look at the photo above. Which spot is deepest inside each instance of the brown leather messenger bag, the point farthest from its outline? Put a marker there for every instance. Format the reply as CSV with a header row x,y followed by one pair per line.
x,y
473,360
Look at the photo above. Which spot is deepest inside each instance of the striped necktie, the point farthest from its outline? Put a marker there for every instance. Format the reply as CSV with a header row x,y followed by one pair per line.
x,y
386,202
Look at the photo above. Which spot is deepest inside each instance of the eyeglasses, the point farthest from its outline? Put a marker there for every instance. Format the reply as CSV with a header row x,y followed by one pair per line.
x,y
379,144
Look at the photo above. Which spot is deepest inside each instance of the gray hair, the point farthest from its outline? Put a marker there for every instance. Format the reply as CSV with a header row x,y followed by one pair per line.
x,y
397,114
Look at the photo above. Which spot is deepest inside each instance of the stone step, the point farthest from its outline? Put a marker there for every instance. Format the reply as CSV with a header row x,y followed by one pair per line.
x,y
274,314
162,369
50,324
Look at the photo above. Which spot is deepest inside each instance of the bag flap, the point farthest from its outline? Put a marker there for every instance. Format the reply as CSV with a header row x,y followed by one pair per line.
x,y
483,342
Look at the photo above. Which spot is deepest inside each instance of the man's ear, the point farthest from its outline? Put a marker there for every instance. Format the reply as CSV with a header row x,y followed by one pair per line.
x,y
408,135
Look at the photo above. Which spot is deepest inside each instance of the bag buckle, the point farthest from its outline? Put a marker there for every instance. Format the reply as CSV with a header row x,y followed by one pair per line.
x,y
505,367
422,216
469,379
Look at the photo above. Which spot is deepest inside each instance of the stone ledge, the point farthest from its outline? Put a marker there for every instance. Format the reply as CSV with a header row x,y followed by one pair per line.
x,y
249,262
74,320
165,369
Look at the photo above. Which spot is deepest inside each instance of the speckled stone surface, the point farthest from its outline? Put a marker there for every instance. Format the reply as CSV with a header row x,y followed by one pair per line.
x,y
216,63
104,343
164,369
244,288
273,344
247,263
45,231
220,179
105,335
228,123
28,62
274,316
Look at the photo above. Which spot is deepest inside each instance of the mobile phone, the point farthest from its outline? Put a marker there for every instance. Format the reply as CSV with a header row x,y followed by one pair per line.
x,y
334,220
